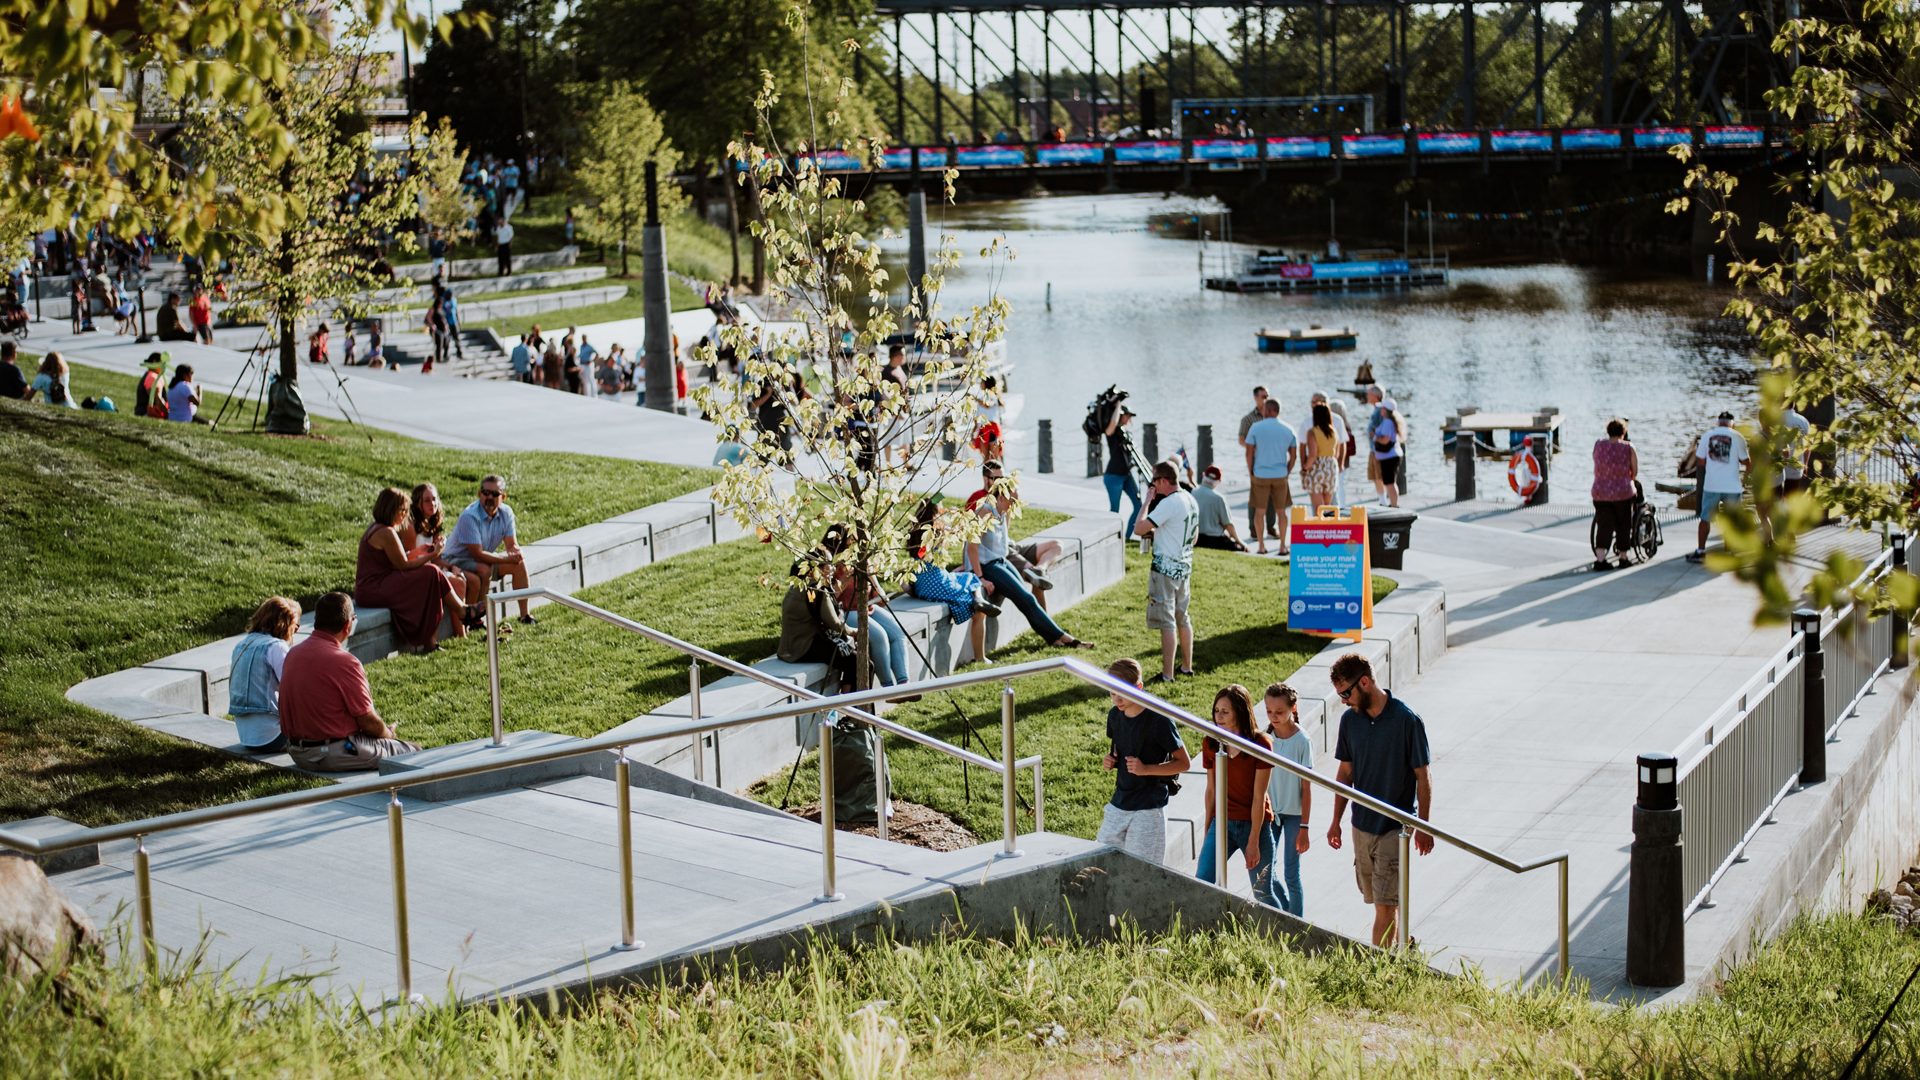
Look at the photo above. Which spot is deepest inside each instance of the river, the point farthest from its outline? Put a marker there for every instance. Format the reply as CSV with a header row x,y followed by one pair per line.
x,y
1127,307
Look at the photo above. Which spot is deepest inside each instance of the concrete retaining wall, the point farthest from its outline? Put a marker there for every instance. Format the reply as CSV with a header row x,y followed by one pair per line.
x,y
473,268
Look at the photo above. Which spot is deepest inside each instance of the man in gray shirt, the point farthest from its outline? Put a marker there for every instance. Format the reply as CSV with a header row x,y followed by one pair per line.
x,y
1216,525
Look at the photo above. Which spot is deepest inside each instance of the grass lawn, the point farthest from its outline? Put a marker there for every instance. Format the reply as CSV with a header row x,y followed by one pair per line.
x,y
631,306
575,675
694,247
1219,1003
1238,607
132,539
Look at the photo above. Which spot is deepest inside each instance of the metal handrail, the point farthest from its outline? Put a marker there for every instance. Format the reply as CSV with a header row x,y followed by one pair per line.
x,y
1739,705
619,743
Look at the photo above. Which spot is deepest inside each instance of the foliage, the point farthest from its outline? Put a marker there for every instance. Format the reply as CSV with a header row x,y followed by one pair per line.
x,y
1835,304
131,539
495,84
1221,1002
445,203
91,163
622,135
331,205
821,462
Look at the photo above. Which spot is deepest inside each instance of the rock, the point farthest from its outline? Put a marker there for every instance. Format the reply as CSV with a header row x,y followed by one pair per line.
x,y
39,927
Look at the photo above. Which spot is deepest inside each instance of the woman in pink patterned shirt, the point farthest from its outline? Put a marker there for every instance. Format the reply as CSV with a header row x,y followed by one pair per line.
x,y
1616,465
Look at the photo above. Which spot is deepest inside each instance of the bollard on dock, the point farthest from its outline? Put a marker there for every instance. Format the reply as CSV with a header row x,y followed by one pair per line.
x,y
1093,457
1151,440
1465,450
1046,446
1203,448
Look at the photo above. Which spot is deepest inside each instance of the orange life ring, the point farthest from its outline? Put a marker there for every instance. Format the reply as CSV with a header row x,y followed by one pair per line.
x,y
1523,473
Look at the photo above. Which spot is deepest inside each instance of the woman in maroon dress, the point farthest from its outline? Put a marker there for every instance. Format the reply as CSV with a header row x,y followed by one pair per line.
x,y
407,584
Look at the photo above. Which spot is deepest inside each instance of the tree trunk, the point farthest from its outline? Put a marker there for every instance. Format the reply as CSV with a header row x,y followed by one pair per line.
x,y
733,226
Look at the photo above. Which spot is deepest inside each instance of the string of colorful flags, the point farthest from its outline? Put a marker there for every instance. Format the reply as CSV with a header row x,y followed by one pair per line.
x,y
1578,208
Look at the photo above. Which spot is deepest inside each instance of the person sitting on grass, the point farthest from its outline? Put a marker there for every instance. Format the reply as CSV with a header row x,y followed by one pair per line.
x,y
183,397
253,687
425,525
1216,523
326,706
964,593
407,583
485,526
988,558
50,383
811,630
167,321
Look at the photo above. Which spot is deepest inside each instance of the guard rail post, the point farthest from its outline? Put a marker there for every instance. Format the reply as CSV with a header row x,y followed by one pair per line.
x,y
828,891
623,780
1009,778
880,801
1464,452
493,665
1899,623
700,740
1046,446
1656,900
403,948
1219,810
1813,700
1403,918
143,904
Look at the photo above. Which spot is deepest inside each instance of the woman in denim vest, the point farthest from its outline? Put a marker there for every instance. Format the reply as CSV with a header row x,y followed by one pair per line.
x,y
253,694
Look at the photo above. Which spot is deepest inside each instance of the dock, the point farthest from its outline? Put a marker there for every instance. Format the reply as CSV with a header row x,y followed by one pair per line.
x,y
1315,338
1483,425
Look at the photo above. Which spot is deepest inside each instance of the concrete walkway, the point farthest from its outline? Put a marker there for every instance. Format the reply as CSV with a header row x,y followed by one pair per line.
x,y
1555,678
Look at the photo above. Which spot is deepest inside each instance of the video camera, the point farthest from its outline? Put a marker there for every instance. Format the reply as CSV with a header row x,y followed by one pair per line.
x,y
1100,410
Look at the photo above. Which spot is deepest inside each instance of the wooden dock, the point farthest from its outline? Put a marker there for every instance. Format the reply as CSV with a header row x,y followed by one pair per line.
x,y
1516,425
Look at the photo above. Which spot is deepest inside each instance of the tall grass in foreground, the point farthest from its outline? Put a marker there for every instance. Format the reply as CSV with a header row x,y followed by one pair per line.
x,y
1231,1001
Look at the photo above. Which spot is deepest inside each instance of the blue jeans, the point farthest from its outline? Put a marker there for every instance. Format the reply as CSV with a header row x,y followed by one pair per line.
x,y
886,646
1264,889
1123,483
1008,586
1292,899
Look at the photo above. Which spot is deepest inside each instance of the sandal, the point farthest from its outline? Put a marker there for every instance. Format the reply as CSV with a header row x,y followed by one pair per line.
x,y
1071,642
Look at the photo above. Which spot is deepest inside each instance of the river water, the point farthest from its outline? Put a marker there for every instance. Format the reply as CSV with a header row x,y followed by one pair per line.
x,y
1127,308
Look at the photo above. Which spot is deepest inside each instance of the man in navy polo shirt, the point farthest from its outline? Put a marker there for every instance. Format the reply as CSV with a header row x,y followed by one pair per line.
x,y
1382,751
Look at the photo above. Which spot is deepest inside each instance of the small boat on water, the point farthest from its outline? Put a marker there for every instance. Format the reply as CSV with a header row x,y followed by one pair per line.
x,y
1289,272
1315,338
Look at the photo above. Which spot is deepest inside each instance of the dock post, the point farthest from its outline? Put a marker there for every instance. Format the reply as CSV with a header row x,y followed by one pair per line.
x,y
1543,452
1151,440
1465,448
1093,457
1046,446
1656,899
1203,448
1813,702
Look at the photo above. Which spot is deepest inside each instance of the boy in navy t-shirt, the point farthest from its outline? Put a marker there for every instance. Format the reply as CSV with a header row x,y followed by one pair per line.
x,y
1144,751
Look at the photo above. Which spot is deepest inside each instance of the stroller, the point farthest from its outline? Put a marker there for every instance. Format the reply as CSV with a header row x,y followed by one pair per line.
x,y
13,315
1643,530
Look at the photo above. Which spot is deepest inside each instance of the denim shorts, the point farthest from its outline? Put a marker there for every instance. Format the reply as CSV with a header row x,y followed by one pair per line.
x,y
1711,500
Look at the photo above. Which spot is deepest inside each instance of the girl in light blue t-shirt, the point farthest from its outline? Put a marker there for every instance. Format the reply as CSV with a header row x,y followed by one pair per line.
x,y
1292,796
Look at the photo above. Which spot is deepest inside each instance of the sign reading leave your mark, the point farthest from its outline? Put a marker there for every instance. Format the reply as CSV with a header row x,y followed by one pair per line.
x,y
1327,580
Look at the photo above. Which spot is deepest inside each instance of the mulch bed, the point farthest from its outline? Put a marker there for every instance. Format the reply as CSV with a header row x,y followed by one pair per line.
x,y
911,823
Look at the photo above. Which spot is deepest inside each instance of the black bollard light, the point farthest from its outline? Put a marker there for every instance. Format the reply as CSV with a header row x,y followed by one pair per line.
x,y
1656,900
1899,624
1813,706
1046,446
1204,447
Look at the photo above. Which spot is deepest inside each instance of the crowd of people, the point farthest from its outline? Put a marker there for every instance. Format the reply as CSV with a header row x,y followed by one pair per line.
x,y
571,363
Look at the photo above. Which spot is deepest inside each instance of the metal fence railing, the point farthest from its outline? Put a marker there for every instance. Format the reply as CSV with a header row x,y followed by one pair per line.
x,y
1734,769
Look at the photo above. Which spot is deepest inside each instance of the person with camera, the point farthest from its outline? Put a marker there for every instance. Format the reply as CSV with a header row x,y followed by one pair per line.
x,y
1115,416
1146,756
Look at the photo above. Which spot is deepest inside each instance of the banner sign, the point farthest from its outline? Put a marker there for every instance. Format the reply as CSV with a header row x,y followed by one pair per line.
x,y
1298,146
1327,582
835,161
1373,145
1158,150
1735,135
1655,138
991,155
1448,142
1505,142
1070,153
1590,139
1225,149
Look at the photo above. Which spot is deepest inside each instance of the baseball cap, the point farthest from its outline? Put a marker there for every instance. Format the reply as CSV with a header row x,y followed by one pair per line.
x,y
1726,414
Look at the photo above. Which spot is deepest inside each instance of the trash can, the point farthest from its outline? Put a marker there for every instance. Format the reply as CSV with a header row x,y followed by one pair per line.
x,y
1389,535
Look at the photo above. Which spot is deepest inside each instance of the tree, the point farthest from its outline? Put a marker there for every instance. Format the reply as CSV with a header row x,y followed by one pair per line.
x,y
609,170
94,159
1835,304
445,203
303,220
814,459
494,84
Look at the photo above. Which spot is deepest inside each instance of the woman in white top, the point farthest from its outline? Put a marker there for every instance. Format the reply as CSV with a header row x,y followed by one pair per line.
x,y
50,383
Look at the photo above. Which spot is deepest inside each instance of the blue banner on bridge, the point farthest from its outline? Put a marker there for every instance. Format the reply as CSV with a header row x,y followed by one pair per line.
x,y
1448,142
1521,142
1225,149
1590,139
1373,145
1736,135
1158,150
1661,137
1298,147
988,156
1070,153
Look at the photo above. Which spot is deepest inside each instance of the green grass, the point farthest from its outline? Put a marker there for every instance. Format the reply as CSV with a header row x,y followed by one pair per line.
x,y
575,675
631,306
130,539
1228,1002
1237,607
695,248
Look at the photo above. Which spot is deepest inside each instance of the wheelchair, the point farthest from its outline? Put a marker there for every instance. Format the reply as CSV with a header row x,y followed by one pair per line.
x,y
1643,529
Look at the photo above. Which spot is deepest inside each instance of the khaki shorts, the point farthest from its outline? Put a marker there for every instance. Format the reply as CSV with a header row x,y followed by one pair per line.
x,y
336,757
1376,866
1271,492
1167,602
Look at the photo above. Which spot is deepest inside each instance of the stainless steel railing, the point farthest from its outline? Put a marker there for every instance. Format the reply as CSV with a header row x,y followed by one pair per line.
x,y
830,709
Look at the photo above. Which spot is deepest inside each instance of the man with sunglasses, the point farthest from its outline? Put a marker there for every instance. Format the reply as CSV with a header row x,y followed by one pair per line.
x,y
1382,751
484,526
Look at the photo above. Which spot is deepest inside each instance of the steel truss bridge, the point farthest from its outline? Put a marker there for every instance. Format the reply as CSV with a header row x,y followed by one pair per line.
x,y
1033,71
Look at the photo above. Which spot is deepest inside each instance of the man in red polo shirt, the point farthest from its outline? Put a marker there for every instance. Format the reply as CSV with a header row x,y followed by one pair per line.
x,y
326,708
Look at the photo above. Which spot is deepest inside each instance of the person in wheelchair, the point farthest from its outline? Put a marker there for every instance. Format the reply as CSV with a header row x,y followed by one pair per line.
x,y
1617,496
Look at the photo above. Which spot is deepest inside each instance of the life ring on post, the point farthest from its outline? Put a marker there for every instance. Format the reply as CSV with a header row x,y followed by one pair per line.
x,y
1523,471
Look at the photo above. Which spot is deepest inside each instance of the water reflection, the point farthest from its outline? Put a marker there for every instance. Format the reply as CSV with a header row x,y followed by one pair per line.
x,y
1126,307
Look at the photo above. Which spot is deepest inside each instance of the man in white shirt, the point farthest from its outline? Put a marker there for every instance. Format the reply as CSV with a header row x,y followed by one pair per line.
x,y
1793,471
503,238
1724,464
1174,525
